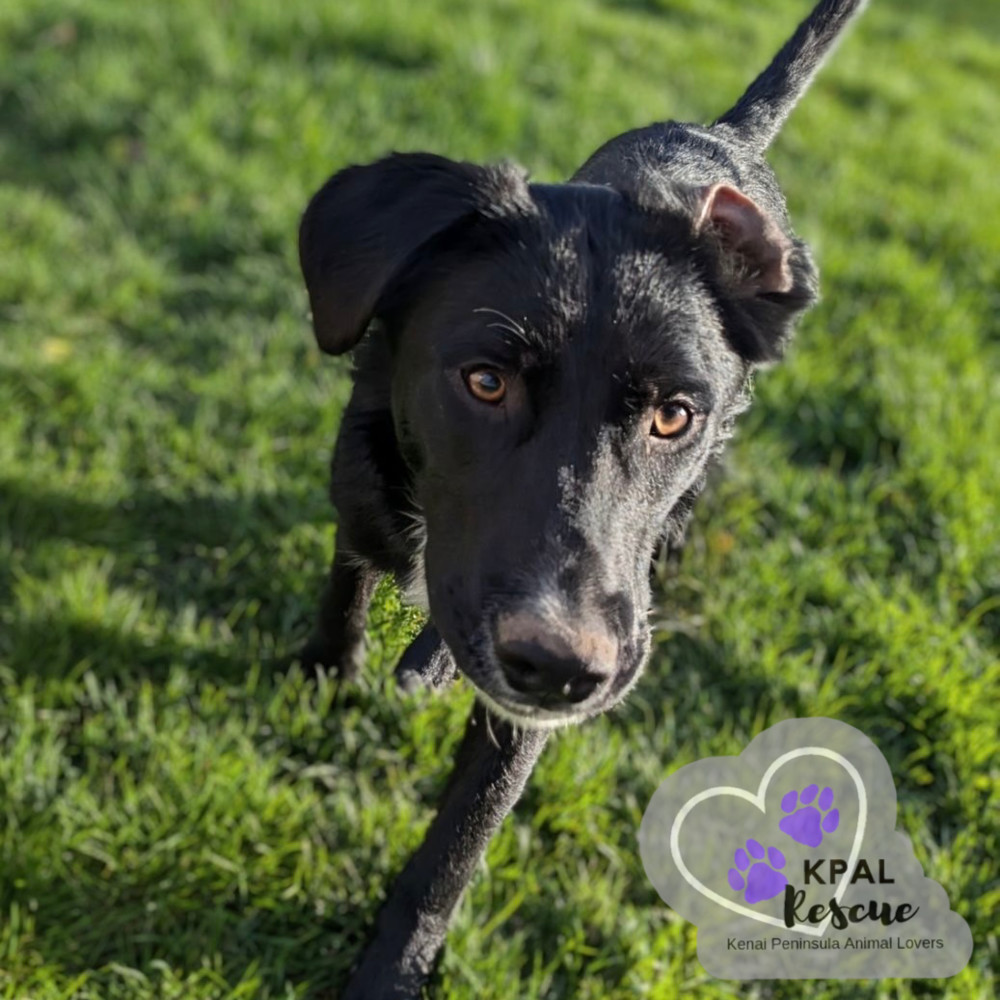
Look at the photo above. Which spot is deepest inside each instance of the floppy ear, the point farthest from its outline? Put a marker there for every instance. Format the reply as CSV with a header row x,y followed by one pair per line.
x,y
365,223
766,277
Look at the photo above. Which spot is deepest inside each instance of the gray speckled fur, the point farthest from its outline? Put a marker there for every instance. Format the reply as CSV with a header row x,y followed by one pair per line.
x,y
653,160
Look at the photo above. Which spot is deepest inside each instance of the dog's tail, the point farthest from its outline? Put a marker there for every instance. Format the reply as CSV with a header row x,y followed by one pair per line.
x,y
759,114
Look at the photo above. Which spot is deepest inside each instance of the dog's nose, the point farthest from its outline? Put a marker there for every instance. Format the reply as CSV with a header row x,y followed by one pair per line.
x,y
546,675
550,668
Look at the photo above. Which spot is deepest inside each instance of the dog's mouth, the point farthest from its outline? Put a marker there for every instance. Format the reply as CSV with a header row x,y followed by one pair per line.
x,y
528,716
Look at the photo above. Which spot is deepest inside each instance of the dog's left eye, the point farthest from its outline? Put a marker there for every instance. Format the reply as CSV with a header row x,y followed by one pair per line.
x,y
486,384
671,420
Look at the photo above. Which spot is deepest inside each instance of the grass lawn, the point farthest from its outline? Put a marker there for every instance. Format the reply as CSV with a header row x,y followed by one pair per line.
x,y
181,815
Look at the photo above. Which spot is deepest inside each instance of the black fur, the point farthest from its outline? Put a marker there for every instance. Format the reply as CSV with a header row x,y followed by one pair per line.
x,y
655,281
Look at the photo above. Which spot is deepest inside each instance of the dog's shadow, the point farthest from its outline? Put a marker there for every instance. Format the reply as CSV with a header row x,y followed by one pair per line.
x,y
173,553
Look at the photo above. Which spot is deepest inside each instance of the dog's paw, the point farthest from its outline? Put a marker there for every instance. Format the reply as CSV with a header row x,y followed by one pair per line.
x,y
320,652
427,662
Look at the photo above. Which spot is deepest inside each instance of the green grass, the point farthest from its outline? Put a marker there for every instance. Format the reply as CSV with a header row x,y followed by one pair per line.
x,y
180,816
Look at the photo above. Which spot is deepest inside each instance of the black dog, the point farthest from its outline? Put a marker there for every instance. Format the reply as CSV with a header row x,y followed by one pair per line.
x,y
548,371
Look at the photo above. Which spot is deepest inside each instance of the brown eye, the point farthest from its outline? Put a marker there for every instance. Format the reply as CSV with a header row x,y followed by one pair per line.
x,y
670,420
486,384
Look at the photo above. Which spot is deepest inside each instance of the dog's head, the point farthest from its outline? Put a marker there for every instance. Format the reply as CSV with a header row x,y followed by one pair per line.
x,y
565,361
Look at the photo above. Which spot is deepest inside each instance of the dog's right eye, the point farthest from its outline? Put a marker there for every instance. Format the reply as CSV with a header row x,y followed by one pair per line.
x,y
486,384
671,420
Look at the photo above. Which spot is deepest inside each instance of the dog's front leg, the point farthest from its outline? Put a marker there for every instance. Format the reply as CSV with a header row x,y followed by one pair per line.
x,y
338,641
491,769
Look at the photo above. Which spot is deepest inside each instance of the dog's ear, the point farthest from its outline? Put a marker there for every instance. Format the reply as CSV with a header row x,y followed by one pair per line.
x,y
363,226
766,277
754,247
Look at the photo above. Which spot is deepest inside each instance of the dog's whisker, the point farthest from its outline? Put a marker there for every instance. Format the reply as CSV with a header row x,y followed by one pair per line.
x,y
489,730
507,324
516,334
514,326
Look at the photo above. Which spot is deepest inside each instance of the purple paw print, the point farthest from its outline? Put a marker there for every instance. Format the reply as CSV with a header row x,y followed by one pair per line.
x,y
763,880
807,823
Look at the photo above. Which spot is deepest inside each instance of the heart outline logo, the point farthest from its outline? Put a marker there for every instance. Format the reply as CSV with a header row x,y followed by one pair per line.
x,y
757,800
